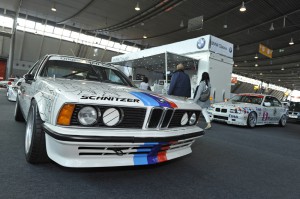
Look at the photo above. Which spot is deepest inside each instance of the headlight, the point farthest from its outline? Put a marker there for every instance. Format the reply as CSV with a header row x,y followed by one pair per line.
x,y
184,119
111,117
87,115
193,119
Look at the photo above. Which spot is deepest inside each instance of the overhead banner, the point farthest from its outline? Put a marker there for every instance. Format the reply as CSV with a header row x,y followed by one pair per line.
x,y
221,47
265,51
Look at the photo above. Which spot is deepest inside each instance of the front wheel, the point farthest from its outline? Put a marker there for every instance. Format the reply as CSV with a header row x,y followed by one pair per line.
x,y
252,120
282,121
35,146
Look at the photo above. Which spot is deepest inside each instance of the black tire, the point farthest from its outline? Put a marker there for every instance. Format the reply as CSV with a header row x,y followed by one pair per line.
x,y
18,113
252,120
282,121
35,145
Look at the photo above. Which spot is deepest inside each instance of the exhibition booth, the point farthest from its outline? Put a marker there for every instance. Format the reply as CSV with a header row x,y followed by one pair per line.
x,y
203,54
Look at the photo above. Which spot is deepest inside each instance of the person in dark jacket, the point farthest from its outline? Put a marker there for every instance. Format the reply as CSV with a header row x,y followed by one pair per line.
x,y
180,83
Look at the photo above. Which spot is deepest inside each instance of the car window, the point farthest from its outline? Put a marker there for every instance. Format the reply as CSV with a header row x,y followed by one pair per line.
x,y
83,71
295,106
247,99
273,101
276,102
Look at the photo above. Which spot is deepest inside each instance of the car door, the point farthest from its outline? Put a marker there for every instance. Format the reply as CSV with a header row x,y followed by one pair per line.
x,y
278,109
27,89
268,111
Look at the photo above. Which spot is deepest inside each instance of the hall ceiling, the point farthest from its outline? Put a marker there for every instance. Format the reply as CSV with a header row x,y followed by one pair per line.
x,y
160,21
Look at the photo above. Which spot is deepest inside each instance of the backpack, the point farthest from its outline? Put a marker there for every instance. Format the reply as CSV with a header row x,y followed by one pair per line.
x,y
205,95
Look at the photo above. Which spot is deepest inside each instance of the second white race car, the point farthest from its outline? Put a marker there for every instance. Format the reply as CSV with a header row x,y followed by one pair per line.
x,y
249,110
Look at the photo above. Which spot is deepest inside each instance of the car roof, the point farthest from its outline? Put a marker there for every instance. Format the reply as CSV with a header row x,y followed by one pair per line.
x,y
85,59
253,94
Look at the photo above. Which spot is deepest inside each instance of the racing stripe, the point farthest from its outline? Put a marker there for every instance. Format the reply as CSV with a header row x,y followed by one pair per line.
x,y
153,100
148,101
155,154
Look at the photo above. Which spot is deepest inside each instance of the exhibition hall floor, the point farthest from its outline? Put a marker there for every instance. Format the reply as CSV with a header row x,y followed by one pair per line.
x,y
227,162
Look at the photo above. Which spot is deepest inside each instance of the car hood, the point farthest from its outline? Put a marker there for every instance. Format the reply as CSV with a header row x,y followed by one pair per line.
x,y
80,91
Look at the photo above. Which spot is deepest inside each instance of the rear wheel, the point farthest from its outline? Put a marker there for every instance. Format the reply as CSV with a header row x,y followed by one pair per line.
x,y
18,114
282,121
35,145
252,120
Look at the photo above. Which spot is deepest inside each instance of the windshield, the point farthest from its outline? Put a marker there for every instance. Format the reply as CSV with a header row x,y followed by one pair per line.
x,y
246,99
83,71
294,106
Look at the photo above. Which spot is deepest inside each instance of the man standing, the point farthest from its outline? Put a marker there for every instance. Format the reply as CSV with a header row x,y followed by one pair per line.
x,y
180,83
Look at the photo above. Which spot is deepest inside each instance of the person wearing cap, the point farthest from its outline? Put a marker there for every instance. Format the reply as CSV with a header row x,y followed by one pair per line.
x,y
180,83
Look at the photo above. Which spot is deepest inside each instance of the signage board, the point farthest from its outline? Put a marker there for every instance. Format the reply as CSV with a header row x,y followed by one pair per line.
x,y
265,51
221,47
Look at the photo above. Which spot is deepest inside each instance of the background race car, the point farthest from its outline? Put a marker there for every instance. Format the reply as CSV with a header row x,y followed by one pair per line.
x,y
249,110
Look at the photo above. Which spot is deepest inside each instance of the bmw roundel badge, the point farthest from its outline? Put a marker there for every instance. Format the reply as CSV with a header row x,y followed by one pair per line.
x,y
230,50
201,43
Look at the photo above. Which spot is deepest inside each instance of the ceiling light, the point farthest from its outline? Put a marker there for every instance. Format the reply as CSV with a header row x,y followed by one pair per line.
x,y
256,57
243,8
271,27
279,80
145,37
53,8
256,65
235,65
282,68
291,42
181,24
137,7
225,26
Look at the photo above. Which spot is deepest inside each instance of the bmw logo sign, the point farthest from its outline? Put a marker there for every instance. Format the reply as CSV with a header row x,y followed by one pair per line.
x,y
230,50
201,43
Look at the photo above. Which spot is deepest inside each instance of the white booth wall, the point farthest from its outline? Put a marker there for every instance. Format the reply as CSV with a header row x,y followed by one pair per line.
x,y
215,57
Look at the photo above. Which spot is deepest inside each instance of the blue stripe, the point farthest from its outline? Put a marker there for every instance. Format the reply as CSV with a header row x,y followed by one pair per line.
x,y
151,157
161,101
142,159
148,101
151,100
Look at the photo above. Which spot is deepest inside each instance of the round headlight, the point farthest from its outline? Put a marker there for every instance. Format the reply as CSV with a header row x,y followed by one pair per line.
x,y
111,117
184,119
87,115
193,119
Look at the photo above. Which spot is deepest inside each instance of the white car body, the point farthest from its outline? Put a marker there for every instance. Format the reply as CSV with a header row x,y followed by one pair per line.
x,y
148,127
266,109
12,90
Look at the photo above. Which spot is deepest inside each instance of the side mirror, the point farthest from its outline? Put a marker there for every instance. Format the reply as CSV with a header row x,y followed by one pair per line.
x,y
267,104
28,77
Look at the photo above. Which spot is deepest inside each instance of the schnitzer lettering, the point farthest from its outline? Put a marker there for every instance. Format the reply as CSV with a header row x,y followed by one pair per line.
x,y
117,99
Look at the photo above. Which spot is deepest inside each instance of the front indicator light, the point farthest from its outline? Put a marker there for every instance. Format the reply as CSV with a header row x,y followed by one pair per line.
x,y
65,114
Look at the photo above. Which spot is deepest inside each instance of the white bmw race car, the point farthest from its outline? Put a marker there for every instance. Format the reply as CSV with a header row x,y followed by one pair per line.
x,y
249,109
83,113
12,90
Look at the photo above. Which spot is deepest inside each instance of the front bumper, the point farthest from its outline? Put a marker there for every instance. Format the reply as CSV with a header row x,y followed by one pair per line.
x,y
236,119
89,147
